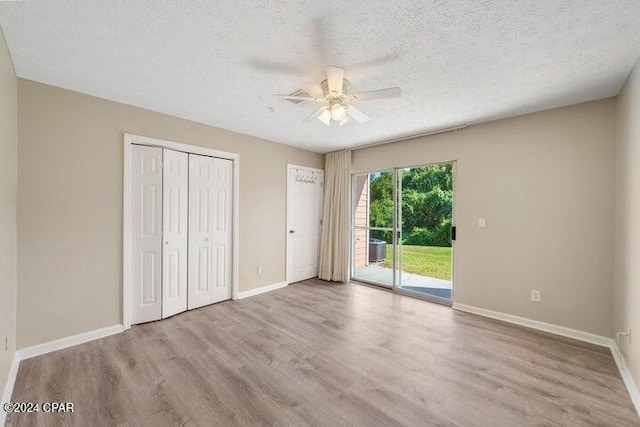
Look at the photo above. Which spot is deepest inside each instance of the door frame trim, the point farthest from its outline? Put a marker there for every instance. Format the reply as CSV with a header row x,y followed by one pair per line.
x,y
128,141
287,262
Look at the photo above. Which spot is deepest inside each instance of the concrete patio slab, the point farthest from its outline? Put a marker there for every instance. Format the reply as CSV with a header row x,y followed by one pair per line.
x,y
384,275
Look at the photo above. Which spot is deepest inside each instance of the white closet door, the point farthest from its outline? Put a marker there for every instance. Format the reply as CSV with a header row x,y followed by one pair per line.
x,y
175,232
305,222
210,210
146,234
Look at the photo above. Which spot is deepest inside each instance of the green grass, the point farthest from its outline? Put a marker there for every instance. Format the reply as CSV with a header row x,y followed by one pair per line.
x,y
431,261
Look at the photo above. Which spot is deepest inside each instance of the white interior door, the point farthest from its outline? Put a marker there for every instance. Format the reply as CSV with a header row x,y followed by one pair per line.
x,y
146,234
174,232
210,232
304,206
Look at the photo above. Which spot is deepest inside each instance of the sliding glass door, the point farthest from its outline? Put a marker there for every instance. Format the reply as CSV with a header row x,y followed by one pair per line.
x,y
402,228
425,203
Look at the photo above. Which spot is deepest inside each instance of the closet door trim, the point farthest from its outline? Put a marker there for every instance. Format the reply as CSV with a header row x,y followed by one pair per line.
x,y
129,140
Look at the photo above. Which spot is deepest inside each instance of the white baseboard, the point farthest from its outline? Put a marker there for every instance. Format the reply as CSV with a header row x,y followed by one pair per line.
x,y
535,324
261,290
625,374
37,350
569,333
8,387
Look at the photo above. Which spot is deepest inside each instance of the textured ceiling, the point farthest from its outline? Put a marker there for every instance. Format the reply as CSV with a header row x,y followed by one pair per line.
x,y
220,62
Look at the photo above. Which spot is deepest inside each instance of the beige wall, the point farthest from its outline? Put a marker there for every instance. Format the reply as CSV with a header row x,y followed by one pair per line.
x,y
627,246
70,205
8,185
544,183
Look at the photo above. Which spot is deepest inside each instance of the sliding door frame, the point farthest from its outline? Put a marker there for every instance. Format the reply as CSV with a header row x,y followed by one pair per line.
x,y
397,229
353,228
129,140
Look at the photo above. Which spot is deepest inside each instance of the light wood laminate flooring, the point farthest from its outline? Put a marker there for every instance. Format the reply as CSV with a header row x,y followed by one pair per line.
x,y
327,355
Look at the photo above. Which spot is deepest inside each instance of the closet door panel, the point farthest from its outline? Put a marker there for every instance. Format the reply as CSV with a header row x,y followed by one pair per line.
x,y
146,234
175,232
222,231
209,230
200,233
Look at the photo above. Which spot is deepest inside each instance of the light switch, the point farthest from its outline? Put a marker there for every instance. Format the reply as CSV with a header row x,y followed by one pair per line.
x,y
482,223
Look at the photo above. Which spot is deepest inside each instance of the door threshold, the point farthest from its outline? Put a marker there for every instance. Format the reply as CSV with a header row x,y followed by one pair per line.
x,y
371,284
435,300
430,298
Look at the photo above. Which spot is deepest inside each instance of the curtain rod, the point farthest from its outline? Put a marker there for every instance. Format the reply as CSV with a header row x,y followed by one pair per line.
x,y
417,135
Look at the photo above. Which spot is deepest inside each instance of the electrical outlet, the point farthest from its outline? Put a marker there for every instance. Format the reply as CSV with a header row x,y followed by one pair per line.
x,y
535,295
259,269
482,222
626,334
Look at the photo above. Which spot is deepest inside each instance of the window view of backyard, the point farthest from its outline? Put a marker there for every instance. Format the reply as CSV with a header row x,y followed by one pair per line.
x,y
425,254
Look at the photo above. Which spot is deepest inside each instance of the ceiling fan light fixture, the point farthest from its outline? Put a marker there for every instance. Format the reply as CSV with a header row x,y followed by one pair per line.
x,y
325,117
338,112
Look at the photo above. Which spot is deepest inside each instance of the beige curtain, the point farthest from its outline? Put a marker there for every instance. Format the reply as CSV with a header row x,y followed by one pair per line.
x,y
334,243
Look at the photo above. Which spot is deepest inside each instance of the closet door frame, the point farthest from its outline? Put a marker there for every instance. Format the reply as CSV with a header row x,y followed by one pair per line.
x,y
129,140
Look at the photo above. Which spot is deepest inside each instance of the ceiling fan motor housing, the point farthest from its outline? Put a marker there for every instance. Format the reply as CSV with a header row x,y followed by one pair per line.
x,y
333,97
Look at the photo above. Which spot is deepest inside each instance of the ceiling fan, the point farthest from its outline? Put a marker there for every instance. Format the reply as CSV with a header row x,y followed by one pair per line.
x,y
337,99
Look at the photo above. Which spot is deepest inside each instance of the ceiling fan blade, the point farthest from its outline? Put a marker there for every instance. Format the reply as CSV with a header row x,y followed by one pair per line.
x,y
392,92
335,77
300,98
314,114
345,120
356,114
325,117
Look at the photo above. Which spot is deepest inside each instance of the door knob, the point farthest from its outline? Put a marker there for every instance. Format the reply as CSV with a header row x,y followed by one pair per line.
x,y
166,243
292,231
